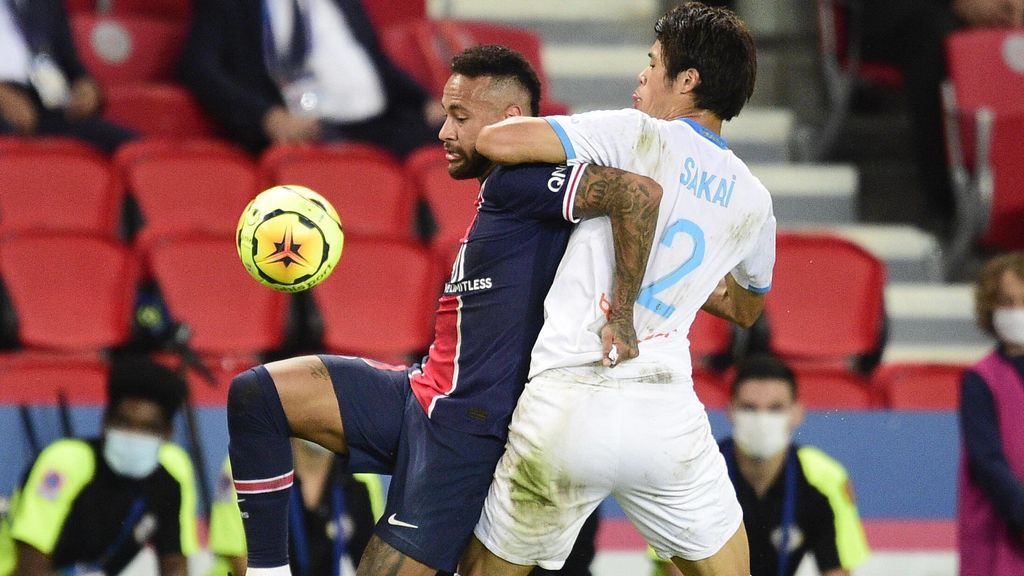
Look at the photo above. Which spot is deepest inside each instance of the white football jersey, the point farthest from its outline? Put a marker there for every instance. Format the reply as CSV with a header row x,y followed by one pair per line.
x,y
715,218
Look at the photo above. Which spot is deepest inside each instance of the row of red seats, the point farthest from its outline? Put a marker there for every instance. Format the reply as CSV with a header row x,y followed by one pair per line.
x,y
902,386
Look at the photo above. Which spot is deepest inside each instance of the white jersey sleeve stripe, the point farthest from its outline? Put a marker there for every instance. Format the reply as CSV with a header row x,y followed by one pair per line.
x,y
570,152
575,177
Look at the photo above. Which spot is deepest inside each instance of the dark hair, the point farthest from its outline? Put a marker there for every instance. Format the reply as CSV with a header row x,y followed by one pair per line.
x,y
501,63
763,367
986,288
141,378
716,43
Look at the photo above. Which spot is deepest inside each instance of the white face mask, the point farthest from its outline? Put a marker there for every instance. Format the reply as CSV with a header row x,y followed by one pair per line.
x,y
761,435
1009,325
131,454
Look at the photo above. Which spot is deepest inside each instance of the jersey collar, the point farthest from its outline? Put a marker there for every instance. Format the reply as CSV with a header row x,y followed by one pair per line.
x,y
714,138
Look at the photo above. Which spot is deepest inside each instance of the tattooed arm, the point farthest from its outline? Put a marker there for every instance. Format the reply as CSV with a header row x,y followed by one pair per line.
x,y
735,303
631,202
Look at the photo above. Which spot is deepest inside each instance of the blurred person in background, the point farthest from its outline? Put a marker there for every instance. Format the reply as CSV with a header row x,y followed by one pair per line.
x,y
44,88
911,34
331,517
794,498
990,511
279,71
89,506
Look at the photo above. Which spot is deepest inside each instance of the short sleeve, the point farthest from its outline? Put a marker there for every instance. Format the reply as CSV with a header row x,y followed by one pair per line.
x,y
535,191
754,272
604,137
56,479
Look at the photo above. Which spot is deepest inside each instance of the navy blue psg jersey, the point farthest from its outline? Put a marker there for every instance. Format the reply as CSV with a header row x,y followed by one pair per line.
x,y
493,304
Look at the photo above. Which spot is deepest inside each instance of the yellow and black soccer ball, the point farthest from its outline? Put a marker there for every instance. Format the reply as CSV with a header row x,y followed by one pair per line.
x,y
289,238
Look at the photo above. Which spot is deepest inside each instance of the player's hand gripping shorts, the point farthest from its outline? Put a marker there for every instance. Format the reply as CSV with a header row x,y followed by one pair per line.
x,y
577,437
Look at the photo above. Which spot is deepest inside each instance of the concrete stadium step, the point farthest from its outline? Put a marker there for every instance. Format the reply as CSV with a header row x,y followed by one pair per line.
x,y
811,193
963,354
933,317
564,10
910,254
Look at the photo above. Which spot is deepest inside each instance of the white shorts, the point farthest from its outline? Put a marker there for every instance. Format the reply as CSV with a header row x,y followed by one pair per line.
x,y
577,437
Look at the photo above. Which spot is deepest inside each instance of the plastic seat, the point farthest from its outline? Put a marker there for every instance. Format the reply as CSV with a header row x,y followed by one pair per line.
x,y
203,187
205,287
44,382
54,144
55,190
365,184
826,303
424,48
984,128
380,300
910,386
711,389
69,292
710,336
179,10
834,389
385,13
128,48
157,110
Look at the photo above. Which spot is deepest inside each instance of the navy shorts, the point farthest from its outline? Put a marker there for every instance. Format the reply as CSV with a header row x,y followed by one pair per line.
x,y
440,476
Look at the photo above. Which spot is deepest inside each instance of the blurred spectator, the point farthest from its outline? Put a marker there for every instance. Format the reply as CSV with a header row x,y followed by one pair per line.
x,y
44,88
991,487
329,498
274,71
794,498
89,506
911,35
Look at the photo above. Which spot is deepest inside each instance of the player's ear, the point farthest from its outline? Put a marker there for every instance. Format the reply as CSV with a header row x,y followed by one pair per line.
x,y
513,110
687,80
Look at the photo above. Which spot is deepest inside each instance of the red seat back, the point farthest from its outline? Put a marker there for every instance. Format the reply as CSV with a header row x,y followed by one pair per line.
x,y
711,389
157,110
128,48
43,383
69,292
826,302
206,287
834,389
57,190
179,10
386,13
366,185
911,386
380,301
709,336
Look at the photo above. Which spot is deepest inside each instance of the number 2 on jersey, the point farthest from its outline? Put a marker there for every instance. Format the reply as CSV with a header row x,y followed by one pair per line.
x,y
648,295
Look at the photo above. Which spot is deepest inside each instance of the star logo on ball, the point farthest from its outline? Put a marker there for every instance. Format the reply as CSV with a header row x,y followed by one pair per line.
x,y
286,251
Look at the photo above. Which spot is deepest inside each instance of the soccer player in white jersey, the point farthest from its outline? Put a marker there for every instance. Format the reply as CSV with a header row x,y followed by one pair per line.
x,y
583,430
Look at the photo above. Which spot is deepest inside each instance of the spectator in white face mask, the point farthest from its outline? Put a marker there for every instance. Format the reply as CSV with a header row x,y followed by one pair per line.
x,y
795,498
89,506
991,484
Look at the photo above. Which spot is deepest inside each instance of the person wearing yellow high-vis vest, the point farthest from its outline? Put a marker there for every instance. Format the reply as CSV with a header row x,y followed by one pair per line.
x,y
89,506
795,499
324,498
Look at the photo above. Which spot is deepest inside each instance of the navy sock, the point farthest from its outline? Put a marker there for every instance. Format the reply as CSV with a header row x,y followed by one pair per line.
x,y
261,465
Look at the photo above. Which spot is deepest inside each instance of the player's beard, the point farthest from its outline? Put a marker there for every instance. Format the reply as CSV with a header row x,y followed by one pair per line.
x,y
472,165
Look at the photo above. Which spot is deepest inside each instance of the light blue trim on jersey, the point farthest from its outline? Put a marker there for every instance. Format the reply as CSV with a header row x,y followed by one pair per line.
x,y
757,290
570,152
714,138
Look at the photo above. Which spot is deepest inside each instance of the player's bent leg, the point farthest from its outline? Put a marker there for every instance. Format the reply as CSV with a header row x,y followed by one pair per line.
x,y
733,559
380,558
309,400
477,560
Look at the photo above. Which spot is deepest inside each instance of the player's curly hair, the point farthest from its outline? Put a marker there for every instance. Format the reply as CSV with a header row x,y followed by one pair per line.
x,y
986,289
501,63
716,43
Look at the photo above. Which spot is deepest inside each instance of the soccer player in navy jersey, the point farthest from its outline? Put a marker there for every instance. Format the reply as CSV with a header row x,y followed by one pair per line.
x,y
439,428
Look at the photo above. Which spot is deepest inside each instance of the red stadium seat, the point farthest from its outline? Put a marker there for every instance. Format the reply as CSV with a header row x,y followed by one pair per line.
x,y
385,13
366,185
127,49
58,190
69,292
43,383
711,388
206,288
826,302
424,48
157,110
54,144
909,386
180,10
380,301
199,186
834,389
984,128
709,336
